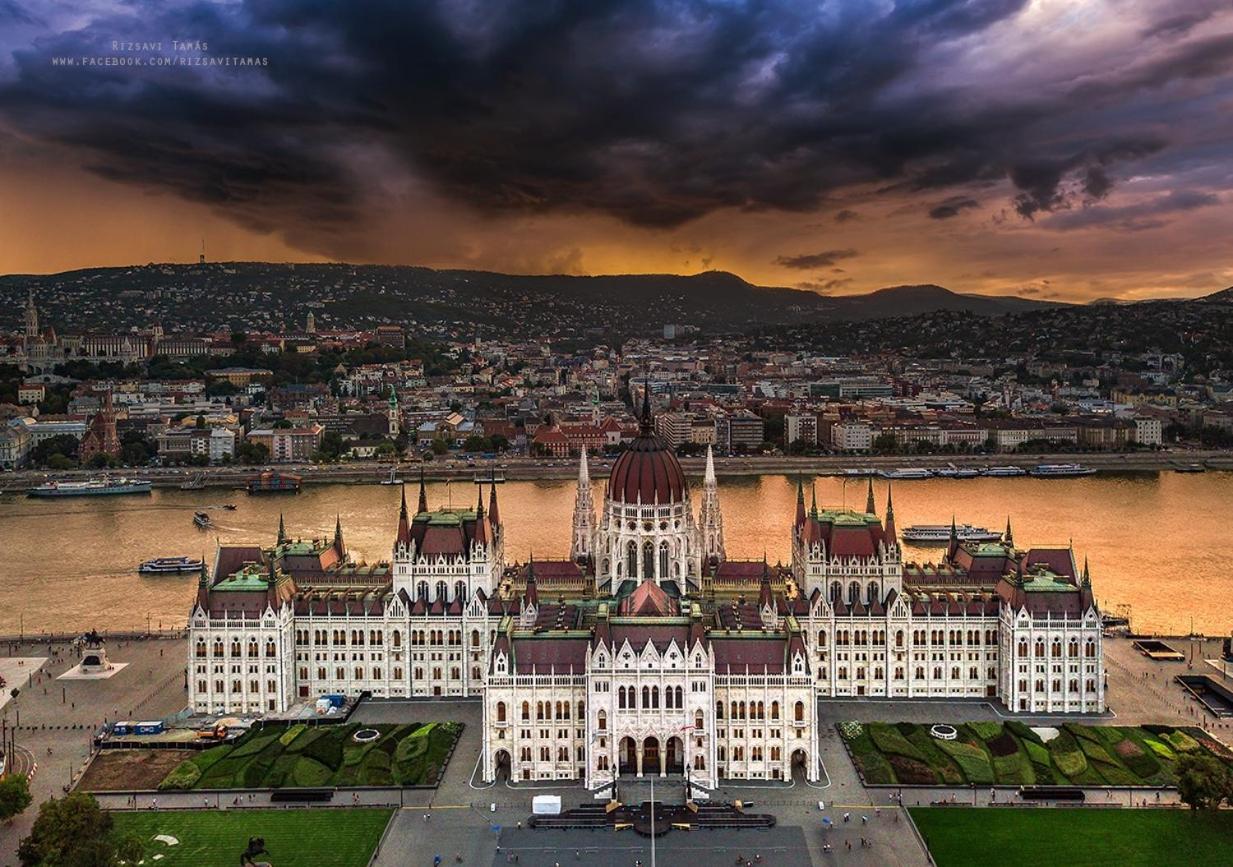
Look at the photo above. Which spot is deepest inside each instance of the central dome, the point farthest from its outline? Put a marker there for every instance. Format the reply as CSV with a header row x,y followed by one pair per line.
x,y
647,471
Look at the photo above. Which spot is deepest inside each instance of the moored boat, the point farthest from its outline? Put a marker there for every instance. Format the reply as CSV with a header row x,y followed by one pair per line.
x,y
1061,471
1190,468
1001,472
169,566
91,488
201,519
906,473
939,534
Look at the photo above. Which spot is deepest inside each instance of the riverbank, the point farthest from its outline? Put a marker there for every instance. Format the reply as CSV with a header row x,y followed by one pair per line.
x,y
537,469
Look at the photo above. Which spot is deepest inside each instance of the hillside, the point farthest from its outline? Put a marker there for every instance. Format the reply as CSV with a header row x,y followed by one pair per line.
x,y
255,295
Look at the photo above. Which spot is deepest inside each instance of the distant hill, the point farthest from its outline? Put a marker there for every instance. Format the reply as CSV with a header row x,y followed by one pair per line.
x,y
257,295
928,298
1224,296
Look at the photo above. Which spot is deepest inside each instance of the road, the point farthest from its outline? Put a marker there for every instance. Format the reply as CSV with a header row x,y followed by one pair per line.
x,y
531,469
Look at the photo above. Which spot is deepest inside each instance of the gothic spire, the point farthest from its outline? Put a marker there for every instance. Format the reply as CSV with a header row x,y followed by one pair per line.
x,y
1008,537
423,503
404,523
890,517
869,505
813,499
800,502
282,530
709,477
493,514
338,539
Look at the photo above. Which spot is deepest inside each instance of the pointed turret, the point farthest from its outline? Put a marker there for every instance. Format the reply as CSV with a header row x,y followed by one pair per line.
x,y
813,500
709,516
422,506
891,535
1087,579
800,503
494,516
952,544
584,513
870,508
282,530
404,523
338,537
1008,537
481,525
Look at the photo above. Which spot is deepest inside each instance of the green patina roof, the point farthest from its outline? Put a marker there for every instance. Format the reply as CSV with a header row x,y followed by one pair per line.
x,y
446,517
1044,581
846,517
249,579
988,549
299,547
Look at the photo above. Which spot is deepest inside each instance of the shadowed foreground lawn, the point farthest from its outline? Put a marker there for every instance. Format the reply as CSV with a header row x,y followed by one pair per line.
x,y
210,838
1075,837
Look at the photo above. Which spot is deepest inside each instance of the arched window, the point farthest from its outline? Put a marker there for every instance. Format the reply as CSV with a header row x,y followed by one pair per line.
x,y
680,698
539,710
632,556
899,638
621,698
421,591
646,697
601,721
854,592
582,710
526,710
655,697
698,719
774,710
648,560
663,559
719,710
460,590
836,592
821,638
442,591
475,638
798,711
873,592
500,711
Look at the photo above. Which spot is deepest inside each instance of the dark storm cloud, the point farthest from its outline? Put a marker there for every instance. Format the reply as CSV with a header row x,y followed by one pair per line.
x,y
806,261
846,216
952,207
1149,214
653,113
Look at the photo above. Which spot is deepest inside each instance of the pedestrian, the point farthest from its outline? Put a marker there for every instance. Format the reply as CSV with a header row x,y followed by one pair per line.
x,y
864,820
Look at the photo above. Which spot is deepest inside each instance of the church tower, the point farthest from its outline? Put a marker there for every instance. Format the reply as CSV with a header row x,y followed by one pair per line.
x,y
395,421
711,518
32,319
584,514
310,323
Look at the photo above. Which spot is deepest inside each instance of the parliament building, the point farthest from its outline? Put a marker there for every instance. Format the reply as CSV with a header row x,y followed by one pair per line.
x,y
647,651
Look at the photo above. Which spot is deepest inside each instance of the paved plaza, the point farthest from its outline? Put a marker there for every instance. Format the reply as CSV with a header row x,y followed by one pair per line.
x,y
481,822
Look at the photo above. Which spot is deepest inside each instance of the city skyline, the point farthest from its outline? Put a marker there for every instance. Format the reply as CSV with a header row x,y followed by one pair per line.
x,y
1040,149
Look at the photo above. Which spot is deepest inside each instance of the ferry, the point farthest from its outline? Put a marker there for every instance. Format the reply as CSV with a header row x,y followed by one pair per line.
x,y
1061,471
906,473
858,472
169,566
939,534
91,488
999,472
201,519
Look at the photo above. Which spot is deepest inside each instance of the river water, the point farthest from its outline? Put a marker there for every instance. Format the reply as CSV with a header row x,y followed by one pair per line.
x,y
1157,542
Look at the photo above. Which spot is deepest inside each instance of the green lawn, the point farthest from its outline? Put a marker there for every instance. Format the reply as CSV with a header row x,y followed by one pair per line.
x,y
1012,754
310,756
1012,837
320,837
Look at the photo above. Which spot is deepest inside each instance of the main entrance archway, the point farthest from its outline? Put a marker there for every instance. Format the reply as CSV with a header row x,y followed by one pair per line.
x,y
502,762
650,756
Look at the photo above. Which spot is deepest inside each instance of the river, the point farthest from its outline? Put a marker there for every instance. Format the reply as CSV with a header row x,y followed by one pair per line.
x,y
1157,542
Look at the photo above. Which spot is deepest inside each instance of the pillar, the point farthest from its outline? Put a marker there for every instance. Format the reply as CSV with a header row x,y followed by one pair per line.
x,y
638,748
663,760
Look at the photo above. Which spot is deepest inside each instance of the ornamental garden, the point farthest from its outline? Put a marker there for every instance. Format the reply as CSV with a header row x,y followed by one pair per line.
x,y
1014,754
307,756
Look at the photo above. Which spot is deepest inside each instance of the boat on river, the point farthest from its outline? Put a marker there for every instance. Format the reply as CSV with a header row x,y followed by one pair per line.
x,y
1004,472
202,519
92,488
939,534
1061,471
169,566
906,473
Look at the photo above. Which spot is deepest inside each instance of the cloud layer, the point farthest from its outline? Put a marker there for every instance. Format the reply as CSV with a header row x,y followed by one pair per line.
x,y
650,115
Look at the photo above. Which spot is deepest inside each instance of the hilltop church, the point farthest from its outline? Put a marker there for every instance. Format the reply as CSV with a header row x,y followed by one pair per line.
x,y
647,651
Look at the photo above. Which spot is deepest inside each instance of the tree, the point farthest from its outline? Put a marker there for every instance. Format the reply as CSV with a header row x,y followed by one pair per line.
x,y
61,444
439,447
74,830
886,442
1204,781
14,795
249,452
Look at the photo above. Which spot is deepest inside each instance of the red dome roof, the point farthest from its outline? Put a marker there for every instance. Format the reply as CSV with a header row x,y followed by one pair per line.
x,y
647,471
